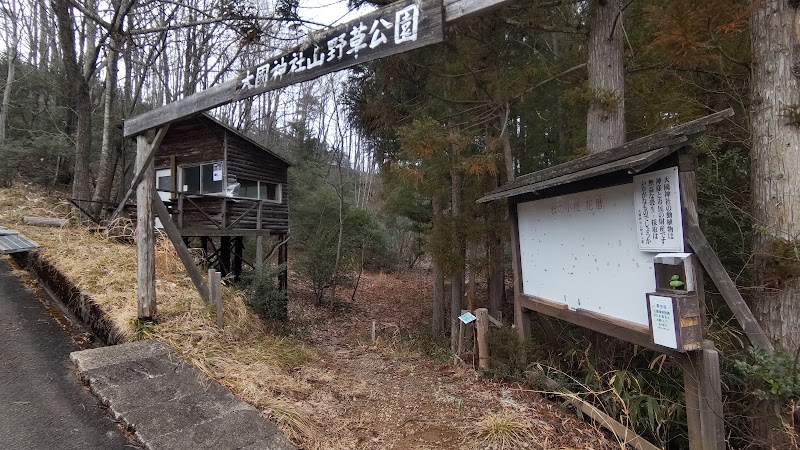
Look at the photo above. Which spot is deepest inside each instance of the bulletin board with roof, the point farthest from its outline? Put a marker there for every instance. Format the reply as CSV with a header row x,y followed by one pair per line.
x,y
611,242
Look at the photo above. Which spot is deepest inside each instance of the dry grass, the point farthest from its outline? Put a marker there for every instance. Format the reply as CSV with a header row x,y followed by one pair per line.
x,y
256,365
330,389
502,431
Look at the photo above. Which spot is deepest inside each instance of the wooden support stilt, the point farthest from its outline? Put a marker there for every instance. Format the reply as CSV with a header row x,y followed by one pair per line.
x,y
259,238
238,250
259,251
283,257
224,264
145,243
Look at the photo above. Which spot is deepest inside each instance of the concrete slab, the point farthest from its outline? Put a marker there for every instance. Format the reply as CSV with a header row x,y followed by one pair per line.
x,y
106,356
122,398
185,412
225,432
132,371
169,404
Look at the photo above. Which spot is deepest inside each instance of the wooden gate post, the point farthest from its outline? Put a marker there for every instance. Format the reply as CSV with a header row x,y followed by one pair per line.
x,y
145,244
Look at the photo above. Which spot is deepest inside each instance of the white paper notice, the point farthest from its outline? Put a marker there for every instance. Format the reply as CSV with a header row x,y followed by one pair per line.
x,y
217,172
663,319
657,201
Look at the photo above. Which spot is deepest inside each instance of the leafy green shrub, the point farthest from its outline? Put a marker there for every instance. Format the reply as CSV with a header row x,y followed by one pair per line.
x,y
262,293
773,376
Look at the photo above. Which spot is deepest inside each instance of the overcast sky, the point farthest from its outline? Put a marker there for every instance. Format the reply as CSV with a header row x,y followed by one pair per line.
x,y
328,12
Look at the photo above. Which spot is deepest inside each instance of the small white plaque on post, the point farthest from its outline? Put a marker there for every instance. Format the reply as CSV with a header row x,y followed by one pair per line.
x,y
467,317
657,202
662,320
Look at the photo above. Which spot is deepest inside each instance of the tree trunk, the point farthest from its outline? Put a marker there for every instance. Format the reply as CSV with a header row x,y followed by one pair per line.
x,y
605,121
775,159
105,171
605,124
508,157
457,277
494,243
438,316
11,32
340,194
80,96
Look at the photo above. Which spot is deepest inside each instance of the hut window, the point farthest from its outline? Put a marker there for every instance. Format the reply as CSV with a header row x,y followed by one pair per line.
x,y
260,190
202,179
248,188
270,191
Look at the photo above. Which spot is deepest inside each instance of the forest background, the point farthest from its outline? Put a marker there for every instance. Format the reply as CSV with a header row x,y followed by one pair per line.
x,y
390,157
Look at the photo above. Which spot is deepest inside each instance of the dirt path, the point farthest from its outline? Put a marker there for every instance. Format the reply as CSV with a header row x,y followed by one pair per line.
x,y
391,395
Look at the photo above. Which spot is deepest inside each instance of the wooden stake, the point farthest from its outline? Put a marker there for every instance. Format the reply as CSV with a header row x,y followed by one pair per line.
x,y
215,289
145,243
373,332
482,325
711,414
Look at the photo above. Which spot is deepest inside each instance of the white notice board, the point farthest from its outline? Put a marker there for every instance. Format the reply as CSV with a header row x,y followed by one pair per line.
x,y
583,250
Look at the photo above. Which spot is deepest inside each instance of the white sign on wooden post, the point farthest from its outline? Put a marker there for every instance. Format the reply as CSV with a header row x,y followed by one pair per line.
x,y
662,318
659,223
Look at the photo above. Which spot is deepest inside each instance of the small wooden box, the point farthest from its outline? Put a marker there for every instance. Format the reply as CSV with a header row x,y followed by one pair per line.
x,y
668,264
675,320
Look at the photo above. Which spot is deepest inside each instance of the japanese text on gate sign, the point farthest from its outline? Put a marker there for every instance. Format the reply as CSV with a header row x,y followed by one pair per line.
x,y
387,31
658,211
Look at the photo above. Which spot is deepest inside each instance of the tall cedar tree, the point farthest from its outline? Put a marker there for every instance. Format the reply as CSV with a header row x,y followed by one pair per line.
x,y
775,127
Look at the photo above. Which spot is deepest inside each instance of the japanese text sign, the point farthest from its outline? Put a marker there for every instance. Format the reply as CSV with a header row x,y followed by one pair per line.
x,y
399,27
662,320
659,223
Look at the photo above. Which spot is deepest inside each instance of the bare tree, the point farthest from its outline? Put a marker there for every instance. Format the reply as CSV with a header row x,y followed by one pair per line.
x,y
10,19
78,83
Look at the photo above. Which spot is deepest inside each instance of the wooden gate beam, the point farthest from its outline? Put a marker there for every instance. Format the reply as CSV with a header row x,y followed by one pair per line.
x,y
224,93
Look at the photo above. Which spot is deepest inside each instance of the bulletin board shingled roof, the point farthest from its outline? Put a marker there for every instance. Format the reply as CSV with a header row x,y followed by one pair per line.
x,y
633,156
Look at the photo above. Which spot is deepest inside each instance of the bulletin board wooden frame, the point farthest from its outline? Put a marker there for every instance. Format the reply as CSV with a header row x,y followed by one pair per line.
x,y
618,166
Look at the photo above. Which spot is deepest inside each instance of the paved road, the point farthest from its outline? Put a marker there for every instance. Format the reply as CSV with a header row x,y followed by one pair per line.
x,y
43,405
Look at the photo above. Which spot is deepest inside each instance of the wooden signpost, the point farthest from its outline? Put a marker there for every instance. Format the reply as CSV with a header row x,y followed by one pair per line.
x,y
402,26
